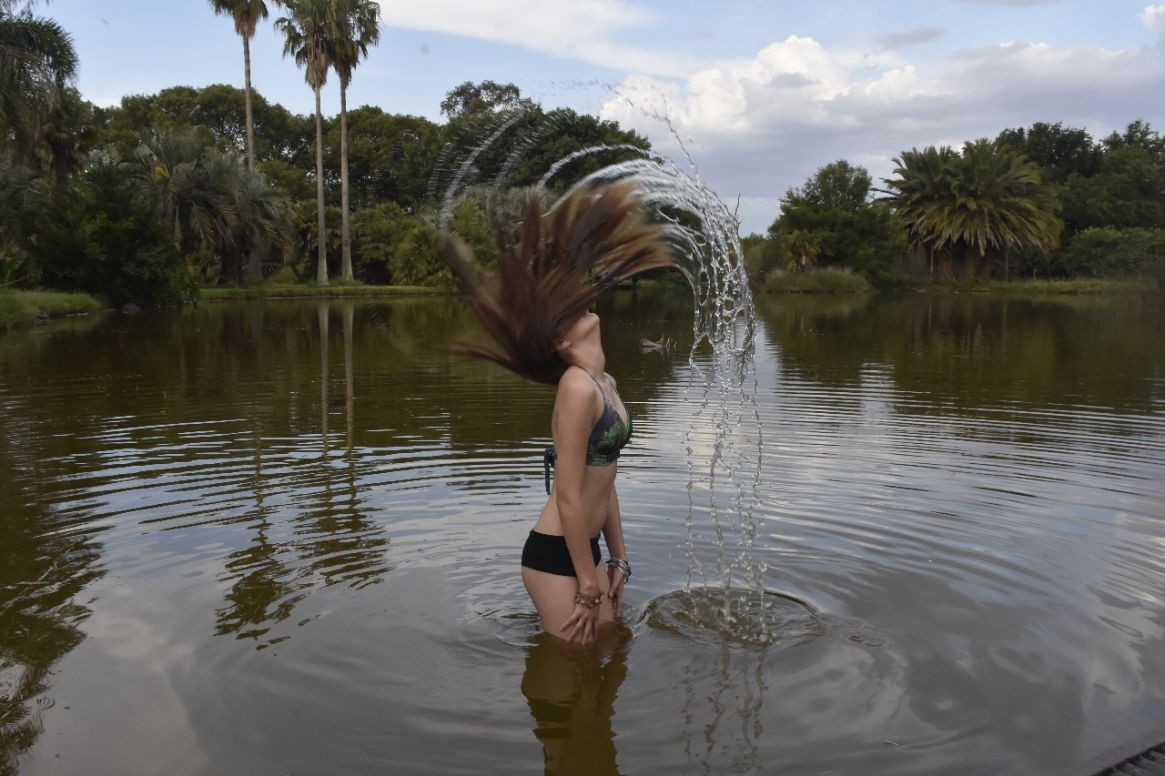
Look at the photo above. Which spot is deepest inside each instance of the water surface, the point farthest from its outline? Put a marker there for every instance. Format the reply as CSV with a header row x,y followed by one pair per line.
x,y
283,537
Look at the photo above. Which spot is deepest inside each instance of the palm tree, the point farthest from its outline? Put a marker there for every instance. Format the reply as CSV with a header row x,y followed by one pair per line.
x,y
310,34
1001,202
986,200
803,249
921,195
37,60
247,15
359,28
215,206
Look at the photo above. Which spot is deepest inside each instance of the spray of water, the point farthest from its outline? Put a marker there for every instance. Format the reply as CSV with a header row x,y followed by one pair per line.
x,y
724,442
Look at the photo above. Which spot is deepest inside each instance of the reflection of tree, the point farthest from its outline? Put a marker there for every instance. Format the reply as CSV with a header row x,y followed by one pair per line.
x,y
572,699
971,352
41,572
330,544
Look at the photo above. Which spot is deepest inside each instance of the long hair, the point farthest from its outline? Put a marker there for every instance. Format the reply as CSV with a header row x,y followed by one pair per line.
x,y
562,262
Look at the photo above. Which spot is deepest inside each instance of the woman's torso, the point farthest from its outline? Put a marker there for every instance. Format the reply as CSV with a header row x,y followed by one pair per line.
x,y
610,420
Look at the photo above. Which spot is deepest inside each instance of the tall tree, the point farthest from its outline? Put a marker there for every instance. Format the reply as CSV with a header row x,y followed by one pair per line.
x,y
37,60
310,33
359,28
247,15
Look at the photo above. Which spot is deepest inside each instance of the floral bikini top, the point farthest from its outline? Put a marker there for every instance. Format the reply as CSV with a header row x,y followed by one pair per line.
x,y
608,438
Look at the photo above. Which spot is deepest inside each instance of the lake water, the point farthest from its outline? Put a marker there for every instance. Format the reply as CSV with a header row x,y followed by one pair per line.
x,y
283,538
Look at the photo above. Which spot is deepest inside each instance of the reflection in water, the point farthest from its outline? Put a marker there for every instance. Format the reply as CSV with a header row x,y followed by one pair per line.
x,y
722,725
969,491
338,544
41,573
571,693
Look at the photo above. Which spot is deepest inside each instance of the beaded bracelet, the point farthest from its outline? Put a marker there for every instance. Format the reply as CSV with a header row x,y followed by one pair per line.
x,y
587,601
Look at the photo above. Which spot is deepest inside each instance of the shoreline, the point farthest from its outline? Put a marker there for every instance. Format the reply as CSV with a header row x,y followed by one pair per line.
x,y
315,292
1031,288
22,309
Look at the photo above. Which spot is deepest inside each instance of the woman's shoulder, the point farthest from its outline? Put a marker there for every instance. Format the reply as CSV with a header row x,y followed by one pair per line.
x,y
575,382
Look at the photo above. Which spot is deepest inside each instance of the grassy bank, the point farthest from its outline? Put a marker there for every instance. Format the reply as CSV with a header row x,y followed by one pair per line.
x,y
24,308
818,281
312,291
1073,287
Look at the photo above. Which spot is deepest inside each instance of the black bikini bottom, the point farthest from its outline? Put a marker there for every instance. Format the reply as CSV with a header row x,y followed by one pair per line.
x,y
544,552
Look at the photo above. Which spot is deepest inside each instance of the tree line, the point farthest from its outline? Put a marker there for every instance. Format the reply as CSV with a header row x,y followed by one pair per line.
x,y
164,193
1047,201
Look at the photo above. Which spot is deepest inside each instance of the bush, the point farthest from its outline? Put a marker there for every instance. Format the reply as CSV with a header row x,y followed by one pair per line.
x,y
101,235
829,280
1108,252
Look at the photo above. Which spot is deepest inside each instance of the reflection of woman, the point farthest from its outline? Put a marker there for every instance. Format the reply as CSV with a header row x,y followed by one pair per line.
x,y
535,312
572,700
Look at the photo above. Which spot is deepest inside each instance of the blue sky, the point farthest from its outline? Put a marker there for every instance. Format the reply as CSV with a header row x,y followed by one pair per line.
x,y
762,92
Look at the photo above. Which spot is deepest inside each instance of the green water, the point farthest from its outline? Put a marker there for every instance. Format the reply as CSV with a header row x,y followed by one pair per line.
x,y
283,537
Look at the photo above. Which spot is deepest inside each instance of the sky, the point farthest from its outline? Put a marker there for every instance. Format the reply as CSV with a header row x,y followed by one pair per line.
x,y
760,93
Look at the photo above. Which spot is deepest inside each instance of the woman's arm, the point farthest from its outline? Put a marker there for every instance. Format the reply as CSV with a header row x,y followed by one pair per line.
x,y
613,527
613,533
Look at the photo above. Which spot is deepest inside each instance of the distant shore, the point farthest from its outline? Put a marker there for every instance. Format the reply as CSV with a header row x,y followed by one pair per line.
x,y
312,291
19,309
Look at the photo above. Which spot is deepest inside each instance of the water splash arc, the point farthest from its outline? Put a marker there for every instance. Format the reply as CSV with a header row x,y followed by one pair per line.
x,y
724,442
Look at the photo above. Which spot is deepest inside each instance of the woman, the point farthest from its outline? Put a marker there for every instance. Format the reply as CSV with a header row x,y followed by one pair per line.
x,y
535,311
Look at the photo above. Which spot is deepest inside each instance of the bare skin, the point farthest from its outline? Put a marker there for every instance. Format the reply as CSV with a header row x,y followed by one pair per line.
x,y
583,501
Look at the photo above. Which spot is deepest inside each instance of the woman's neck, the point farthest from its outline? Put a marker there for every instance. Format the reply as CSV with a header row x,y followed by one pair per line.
x,y
593,364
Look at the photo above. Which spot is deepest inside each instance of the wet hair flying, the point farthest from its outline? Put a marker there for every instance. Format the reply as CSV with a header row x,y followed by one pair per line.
x,y
560,264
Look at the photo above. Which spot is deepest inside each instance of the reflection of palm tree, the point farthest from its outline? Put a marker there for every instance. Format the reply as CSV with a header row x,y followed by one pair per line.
x,y
572,699
349,313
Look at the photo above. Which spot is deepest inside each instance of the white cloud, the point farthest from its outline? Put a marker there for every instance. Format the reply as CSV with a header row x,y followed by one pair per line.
x,y
760,126
574,29
1154,18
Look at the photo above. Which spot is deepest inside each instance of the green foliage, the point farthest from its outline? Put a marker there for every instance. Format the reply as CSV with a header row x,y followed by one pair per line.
x,y
217,211
1110,252
37,60
390,157
305,243
20,308
831,280
102,236
832,221
1128,191
984,202
549,137
470,99
1059,151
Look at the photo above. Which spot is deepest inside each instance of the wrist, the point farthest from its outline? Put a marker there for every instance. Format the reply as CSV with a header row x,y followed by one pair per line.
x,y
588,587
588,601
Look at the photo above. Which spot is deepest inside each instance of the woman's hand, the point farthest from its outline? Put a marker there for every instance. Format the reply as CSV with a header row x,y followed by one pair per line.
x,y
615,579
582,627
